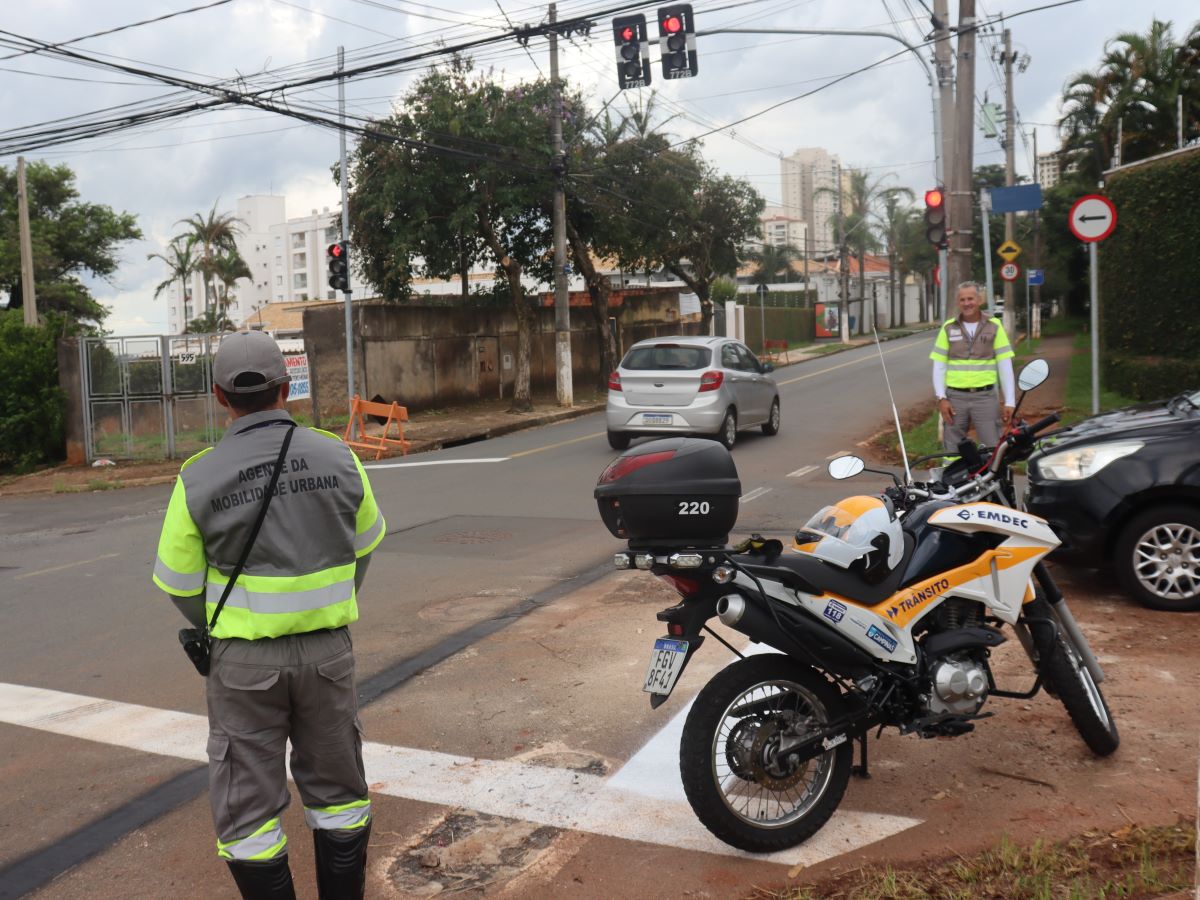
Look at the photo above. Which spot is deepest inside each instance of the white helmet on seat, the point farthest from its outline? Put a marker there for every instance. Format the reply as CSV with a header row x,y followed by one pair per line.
x,y
850,530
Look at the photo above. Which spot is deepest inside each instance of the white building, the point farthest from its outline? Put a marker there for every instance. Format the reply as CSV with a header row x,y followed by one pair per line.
x,y
810,183
779,229
1049,169
298,270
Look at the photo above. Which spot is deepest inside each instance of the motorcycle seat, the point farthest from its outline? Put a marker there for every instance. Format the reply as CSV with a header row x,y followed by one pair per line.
x,y
806,573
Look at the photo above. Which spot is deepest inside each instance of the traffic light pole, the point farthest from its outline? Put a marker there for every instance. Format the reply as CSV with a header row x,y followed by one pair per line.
x,y
344,179
562,307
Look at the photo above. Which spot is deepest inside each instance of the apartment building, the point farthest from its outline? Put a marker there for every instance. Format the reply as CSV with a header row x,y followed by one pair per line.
x,y
810,181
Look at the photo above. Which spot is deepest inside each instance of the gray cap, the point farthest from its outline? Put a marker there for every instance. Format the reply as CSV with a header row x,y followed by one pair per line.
x,y
248,353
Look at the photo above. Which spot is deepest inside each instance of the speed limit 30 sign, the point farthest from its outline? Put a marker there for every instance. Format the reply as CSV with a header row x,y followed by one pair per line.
x,y
1010,271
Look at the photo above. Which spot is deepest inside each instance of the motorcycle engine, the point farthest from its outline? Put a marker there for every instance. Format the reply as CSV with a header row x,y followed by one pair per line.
x,y
960,684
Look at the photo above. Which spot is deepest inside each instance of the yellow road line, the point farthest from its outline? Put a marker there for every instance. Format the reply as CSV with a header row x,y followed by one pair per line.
x,y
586,437
82,562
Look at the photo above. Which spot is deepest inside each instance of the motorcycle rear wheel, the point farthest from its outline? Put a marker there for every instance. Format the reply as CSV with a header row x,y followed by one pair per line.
x,y
740,788
1069,680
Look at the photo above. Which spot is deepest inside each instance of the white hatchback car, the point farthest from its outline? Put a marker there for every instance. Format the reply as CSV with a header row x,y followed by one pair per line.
x,y
690,385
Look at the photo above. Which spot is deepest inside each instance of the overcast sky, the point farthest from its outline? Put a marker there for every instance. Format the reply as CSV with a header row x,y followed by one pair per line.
x,y
879,119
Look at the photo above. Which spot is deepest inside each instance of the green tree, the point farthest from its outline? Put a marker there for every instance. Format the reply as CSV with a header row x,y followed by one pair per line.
x,y
31,402
70,239
180,260
771,259
889,216
216,235
1134,92
460,173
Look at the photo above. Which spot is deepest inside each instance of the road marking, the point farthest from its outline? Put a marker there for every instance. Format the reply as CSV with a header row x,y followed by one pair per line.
x,y
839,453
631,807
853,362
436,462
82,562
755,494
586,437
801,472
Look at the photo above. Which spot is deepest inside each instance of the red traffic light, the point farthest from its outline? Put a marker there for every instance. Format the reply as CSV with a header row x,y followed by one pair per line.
x,y
934,198
672,25
336,251
628,34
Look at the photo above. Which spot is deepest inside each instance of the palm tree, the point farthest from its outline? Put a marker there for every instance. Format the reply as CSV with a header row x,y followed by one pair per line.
x,y
215,233
228,268
181,263
770,260
889,215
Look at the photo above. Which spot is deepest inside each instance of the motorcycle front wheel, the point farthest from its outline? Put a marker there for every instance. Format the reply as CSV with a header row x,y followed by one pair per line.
x,y
738,775
1069,679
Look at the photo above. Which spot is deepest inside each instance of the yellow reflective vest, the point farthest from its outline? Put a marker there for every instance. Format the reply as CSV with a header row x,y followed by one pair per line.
x,y
299,576
971,361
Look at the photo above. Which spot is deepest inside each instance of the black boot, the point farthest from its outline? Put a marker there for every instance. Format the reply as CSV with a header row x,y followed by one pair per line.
x,y
269,879
341,862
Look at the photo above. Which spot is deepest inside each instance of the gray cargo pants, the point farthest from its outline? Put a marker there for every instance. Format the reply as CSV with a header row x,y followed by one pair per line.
x,y
978,408
260,694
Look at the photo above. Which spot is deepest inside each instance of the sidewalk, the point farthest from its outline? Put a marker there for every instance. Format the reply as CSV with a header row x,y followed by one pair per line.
x,y
427,430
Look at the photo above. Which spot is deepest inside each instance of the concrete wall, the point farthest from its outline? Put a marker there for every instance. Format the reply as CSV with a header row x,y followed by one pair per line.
x,y
426,357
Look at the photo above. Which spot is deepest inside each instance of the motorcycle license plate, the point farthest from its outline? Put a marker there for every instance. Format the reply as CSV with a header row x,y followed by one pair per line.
x,y
656,419
666,662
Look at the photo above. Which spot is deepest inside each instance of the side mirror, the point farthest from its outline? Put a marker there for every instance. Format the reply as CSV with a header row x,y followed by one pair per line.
x,y
1034,373
845,467
766,367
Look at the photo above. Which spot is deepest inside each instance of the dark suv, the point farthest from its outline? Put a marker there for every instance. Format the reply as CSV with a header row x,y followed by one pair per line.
x,y
1123,489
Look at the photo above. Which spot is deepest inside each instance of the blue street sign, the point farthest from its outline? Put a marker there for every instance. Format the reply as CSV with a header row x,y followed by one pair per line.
x,y
1016,199
1036,276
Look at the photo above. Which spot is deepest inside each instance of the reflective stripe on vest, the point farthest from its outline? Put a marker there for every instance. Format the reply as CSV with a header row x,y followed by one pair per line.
x,y
971,360
344,816
268,842
181,584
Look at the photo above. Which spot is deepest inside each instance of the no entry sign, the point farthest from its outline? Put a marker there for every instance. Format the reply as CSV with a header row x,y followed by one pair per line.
x,y
1092,218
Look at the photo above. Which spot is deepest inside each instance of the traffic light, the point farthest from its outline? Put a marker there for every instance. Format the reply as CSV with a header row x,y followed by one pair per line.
x,y
633,51
677,41
337,260
935,217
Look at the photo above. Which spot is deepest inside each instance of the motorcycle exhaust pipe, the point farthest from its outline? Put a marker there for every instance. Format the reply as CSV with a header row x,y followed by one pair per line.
x,y
811,642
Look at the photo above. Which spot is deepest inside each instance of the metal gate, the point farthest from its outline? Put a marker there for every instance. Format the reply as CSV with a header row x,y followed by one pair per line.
x,y
148,397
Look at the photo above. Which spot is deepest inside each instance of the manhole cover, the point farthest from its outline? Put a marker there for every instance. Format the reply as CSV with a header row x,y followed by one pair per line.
x,y
472,537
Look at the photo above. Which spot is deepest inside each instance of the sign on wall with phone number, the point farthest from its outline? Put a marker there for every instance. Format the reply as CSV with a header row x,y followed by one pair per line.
x,y
297,367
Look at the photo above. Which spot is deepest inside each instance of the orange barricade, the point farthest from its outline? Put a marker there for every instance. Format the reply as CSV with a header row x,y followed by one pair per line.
x,y
771,351
380,443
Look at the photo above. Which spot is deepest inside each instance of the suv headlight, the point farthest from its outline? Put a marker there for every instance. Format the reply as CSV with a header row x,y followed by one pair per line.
x,y
1084,462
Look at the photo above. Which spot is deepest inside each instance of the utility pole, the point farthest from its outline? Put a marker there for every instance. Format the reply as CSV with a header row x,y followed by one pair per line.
x,y
843,263
28,295
562,308
344,178
944,61
961,219
1010,314
1037,229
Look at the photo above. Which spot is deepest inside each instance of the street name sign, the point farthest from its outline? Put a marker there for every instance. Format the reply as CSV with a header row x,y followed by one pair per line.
x,y
1092,218
1008,251
1035,276
1010,271
1018,198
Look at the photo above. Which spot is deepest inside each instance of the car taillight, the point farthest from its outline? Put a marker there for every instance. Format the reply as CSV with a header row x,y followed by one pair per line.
x,y
614,381
710,381
623,465
685,586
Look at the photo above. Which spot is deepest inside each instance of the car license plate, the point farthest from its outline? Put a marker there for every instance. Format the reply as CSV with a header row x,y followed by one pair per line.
x,y
666,662
656,419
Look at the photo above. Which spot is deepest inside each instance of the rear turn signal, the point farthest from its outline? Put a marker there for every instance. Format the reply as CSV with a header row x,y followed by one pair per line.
x,y
710,381
614,381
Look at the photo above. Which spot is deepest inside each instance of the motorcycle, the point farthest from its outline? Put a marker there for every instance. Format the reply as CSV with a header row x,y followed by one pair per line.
x,y
884,612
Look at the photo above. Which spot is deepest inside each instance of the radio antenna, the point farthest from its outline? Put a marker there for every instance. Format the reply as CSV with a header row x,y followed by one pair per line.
x,y
895,415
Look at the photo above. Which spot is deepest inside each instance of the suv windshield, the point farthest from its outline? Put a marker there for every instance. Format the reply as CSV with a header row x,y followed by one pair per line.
x,y
666,356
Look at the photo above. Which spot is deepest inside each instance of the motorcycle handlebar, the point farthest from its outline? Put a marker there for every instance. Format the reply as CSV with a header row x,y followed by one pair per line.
x,y
1043,424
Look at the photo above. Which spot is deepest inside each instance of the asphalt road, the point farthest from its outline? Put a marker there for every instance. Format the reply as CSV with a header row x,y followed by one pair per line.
x,y
484,540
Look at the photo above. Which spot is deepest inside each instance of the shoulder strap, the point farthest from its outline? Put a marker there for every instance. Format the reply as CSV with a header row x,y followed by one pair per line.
x,y
262,515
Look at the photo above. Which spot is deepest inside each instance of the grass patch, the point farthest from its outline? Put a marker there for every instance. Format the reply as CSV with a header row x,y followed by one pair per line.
x,y
1079,385
95,484
1132,862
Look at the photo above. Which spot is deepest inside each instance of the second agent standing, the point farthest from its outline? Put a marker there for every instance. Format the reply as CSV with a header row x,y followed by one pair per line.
x,y
971,353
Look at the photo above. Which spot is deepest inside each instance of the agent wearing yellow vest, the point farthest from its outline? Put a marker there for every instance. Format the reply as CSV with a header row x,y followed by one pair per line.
x,y
971,353
282,663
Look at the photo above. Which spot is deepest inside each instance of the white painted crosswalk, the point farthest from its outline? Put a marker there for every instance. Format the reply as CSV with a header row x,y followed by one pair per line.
x,y
642,802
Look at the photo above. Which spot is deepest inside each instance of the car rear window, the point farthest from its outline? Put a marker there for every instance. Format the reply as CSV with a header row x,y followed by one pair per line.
x,y
667,356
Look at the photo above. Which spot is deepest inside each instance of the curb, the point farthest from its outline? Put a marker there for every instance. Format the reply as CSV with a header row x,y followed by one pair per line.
x,y
470,437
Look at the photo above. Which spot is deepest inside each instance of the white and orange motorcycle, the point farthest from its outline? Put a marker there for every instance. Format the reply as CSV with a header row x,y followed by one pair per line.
x,y
884,612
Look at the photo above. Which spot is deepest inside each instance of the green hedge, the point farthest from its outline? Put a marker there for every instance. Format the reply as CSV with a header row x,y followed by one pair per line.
x,y
31,402
1150,278
1150,377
